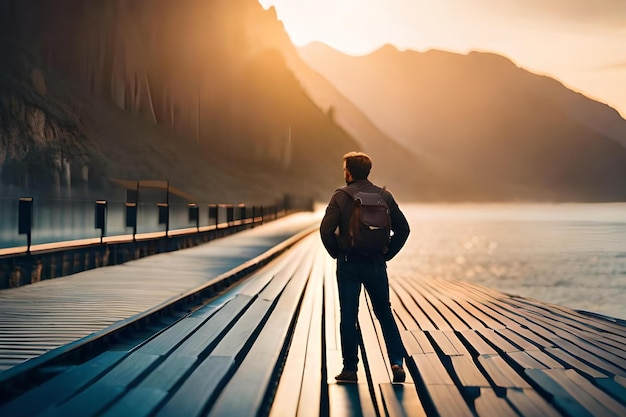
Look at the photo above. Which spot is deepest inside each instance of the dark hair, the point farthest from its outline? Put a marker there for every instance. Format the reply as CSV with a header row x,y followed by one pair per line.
x,y
359,164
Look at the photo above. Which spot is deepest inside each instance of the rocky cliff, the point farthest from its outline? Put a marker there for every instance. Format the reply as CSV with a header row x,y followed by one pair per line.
x,y
187,91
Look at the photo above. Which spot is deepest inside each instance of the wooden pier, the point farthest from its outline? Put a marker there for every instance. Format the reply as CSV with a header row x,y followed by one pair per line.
x,y
269,345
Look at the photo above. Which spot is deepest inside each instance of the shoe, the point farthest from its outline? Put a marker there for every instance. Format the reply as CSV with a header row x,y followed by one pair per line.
x,y
398,373
346,377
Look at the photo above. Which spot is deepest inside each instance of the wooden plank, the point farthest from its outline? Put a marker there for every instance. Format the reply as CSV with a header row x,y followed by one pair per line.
x,y
599,359
431,370
589,396
574,362
294,261
314,372
105,390
139,402
484,319
401,400
171,337
350,400
61,387
169,373
421,320
546,359
411,344
529,403
240,335
443,308
448,343
468,373
255,284
373,351
560,397
201,386
501,373
478,343
404,313
609,385
331,306
489,404
536,338
526,360
438,288
498,342
490,306
431,312
517,340
570,317
286,401
447,401
207,336
244,393
423,341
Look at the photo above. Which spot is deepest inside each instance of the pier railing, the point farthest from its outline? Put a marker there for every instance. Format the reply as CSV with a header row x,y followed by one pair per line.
x,y
173,226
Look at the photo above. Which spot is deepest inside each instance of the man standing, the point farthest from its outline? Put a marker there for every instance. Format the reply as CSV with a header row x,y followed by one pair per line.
x,y
356,267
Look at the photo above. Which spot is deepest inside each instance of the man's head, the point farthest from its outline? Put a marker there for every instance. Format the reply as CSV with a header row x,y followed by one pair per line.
x,y
357,166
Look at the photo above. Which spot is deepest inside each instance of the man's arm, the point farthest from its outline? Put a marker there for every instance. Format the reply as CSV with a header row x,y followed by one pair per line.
x,y
329,225
400,228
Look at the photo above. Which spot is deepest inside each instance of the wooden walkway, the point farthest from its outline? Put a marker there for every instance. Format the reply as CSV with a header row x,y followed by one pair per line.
x,y
270,346
37,318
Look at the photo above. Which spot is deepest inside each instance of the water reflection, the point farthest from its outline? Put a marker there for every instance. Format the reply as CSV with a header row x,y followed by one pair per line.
x,y
568,254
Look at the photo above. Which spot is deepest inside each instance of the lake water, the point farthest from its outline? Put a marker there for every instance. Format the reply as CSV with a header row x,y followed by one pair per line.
x,y
573,255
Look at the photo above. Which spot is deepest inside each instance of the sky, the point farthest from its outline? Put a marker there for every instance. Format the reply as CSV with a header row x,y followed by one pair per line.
x,y
582,43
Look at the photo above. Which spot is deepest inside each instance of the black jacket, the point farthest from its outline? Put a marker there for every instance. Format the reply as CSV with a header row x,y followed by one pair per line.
x,y
334,226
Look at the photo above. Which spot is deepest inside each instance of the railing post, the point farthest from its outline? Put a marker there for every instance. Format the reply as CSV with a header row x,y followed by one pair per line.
x,y
132,206
25,220
131,217
194,215
164,216
213,214
242,213
100,217
230,215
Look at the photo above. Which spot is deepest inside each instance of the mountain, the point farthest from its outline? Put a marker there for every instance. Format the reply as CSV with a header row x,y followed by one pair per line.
x,y
213,97
495,130
94,92
388,155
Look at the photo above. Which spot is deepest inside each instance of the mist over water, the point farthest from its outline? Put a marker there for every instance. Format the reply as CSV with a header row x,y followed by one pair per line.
x,y
573,255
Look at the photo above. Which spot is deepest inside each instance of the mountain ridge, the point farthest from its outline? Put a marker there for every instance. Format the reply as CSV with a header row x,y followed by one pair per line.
x,y
519,135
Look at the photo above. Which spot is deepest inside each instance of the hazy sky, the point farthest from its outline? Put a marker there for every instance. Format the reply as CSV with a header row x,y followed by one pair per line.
x,y
582,43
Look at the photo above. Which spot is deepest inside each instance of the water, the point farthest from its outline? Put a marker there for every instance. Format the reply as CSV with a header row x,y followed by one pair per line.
x,y
573,255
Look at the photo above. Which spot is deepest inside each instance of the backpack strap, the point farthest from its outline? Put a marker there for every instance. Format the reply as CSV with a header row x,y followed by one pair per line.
x,y
353,222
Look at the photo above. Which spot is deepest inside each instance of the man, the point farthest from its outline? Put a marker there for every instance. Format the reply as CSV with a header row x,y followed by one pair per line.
x,y
356,267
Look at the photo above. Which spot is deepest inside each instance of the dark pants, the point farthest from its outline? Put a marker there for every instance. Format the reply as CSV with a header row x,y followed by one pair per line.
x,y
373,276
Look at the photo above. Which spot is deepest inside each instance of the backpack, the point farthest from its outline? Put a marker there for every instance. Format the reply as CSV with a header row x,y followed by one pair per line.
x,y
369,228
